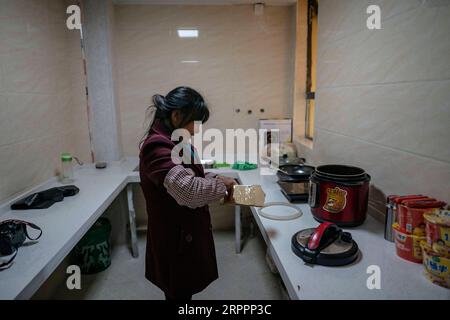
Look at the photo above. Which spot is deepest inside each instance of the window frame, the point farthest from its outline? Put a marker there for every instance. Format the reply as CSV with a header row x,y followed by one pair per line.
x,y
309,94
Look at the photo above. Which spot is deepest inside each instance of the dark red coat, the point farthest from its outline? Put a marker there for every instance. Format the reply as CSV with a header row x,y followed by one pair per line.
x,y
180,256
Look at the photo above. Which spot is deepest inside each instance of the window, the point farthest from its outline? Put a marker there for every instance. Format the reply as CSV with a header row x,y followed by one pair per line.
x,y
311,63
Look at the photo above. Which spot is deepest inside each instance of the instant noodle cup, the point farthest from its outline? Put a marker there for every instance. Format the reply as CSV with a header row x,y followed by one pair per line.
x,y
437,267
407,245
411,219
438,231
437,280
411,211
398,200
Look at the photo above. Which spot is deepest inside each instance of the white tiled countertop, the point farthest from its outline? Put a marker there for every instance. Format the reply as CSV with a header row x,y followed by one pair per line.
x,y
65,223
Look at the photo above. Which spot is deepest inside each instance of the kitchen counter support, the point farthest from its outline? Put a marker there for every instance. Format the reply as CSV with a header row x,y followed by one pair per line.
x,y
237,228
132,221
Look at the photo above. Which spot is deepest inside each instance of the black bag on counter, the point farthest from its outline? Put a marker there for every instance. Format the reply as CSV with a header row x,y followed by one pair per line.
x,y
45,199
13,234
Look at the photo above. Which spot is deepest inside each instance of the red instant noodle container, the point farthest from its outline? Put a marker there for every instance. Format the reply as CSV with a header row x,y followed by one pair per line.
x,y
398,200
408,245
411,219
411,214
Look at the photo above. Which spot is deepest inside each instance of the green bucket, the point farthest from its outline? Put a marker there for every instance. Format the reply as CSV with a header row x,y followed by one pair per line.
x,y
93,253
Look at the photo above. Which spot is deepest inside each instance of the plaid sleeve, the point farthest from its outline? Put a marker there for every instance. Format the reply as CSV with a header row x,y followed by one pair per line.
x,y
210,175
191,191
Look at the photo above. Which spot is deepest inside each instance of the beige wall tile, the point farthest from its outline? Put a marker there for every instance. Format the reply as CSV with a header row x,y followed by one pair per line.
x,y
42,98
383,98
160,17
57,11
25,8
28,163
352,15
244,61
413,117
411,46
22,117
28,73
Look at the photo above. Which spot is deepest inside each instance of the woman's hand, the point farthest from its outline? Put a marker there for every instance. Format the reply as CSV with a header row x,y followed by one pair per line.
x,y
229,182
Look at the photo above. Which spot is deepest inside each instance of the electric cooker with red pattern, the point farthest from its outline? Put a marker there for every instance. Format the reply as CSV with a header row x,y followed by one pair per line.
x,y
339,194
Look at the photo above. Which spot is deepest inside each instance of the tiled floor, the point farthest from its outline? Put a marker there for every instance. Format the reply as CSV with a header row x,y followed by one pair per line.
x,y
241,276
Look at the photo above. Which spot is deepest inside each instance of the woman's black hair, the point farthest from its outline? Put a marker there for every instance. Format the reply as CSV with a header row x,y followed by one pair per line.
x,y
185,100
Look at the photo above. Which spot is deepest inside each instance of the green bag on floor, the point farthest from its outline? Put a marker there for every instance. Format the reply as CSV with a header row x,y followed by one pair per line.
x,y
93,253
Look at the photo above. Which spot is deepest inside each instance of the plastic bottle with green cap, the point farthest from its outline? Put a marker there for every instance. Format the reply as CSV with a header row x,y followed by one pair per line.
x,y
66,168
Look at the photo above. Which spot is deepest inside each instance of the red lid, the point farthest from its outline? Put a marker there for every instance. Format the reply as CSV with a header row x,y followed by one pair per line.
x,y
401,200
432,203
396,199
392,197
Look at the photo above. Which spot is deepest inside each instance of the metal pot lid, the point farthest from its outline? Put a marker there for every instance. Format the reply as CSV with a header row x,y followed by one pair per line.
x,y
293,170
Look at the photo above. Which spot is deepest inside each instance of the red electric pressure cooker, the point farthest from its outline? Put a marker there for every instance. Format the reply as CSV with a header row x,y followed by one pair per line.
x,y
339,194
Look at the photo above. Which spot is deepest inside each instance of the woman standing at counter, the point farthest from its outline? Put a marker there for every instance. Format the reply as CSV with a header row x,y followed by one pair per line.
x,y
180,254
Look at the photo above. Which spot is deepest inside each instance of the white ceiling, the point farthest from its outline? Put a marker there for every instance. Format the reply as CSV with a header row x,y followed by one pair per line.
x,y
205,2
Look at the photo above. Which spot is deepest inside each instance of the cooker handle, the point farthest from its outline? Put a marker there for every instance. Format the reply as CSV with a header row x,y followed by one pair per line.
x,y
324,234
314,197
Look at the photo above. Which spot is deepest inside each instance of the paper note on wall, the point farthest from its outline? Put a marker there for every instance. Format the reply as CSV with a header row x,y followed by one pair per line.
x,y
283,125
